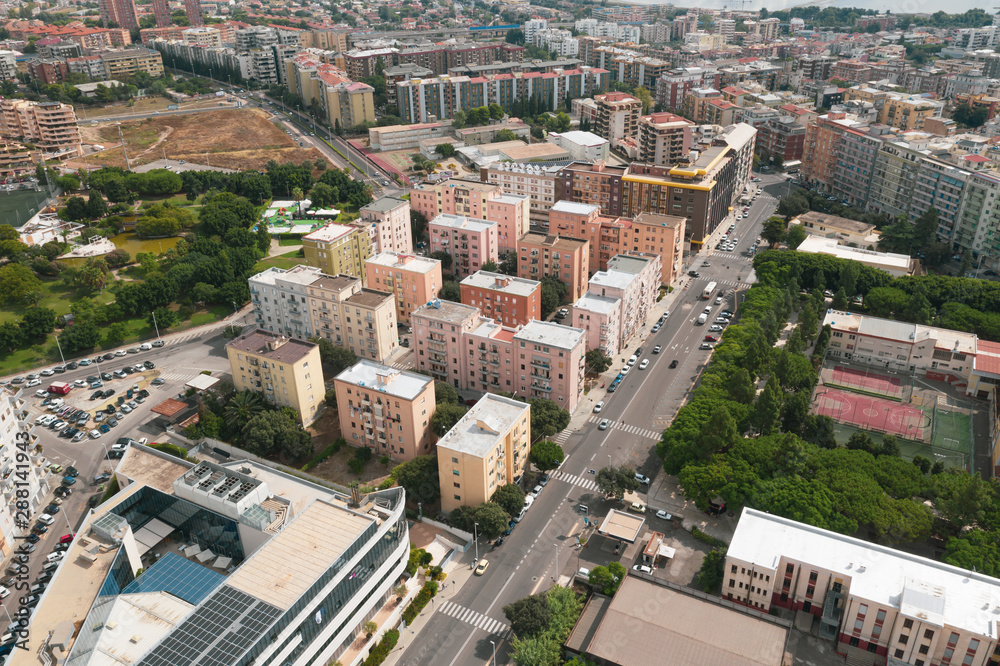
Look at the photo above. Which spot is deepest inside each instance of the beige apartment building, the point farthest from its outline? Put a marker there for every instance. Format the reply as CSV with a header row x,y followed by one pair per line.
x,y
617,116
874,605
338,249
388,221
386,409
49,126
285,371
413,279
664,138
123,64
488,448
535,181
304,302
565,258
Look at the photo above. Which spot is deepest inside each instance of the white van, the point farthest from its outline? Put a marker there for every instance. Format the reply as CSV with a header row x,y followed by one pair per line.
x,y
702,318
145,346
583,574
632,359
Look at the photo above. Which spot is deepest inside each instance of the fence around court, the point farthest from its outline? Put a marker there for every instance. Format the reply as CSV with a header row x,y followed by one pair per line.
x,y
897,386
866,412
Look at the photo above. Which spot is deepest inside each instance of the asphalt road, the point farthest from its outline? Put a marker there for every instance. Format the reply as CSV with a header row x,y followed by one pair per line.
x,y
184,356
542,546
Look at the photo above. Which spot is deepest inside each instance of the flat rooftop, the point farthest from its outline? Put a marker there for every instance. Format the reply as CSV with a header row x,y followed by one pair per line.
x,y
385,204
404,262
257,342
382,378
450,221
554,241
369,298
630,263
588,139
955,341
301,274
152,468
536,151
916,585
596,303
694,632
836,222
477,432
887,261
565,206
446,311
507,284
613,279
329,233
289,564
622,525
551,334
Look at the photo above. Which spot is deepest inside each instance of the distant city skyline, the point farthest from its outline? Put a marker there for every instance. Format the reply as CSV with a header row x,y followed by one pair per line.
x,y
907,7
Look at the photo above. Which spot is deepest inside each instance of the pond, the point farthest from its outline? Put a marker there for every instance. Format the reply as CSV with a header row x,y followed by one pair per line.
x,y
133,244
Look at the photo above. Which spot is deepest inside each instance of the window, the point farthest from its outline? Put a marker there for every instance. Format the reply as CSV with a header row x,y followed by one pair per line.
x,y
907,624
924,649
928,634
455,472
899,654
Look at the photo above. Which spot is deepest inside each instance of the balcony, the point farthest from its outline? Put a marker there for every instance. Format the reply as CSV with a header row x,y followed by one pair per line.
x,y
540,364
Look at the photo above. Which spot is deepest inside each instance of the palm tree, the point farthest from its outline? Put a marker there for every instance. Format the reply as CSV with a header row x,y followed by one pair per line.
x,y
298,196
241,408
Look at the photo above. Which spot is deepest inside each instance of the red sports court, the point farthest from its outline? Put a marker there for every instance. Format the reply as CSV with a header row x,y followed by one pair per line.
x,y
873,413
867,380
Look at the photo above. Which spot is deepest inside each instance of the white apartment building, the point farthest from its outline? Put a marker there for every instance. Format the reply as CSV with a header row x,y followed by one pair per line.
x,y
633,279
388,221
8,66
877,605
532,27
23,479
585,146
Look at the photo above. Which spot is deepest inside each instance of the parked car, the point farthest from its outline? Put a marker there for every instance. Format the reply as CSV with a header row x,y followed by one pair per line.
x,y
482,566
644,364
642,478
656,349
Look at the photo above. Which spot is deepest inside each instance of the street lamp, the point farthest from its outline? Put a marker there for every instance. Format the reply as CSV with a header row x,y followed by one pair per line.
x,y
555,574
153,312
63,358
475,537
494,651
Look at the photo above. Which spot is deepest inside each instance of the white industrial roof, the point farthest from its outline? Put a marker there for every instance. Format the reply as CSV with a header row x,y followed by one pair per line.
x,y
477,432
564,206
550,334
916,585
957,341
595,303
614,279
887,261
143,620
507,284
401,384
582,138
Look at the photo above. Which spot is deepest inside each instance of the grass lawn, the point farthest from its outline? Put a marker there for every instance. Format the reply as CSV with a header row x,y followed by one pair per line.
x,y
286,260
174,199
57,296
289,242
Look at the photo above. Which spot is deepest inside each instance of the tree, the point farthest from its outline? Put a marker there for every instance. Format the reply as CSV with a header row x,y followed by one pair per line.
x,y
794,236
546,455
962,498
37,323
419,477
711,574
93,275
607,579
529,616
334,359
496,111
644,96
274,432
547,418
492,519
899,237
76,209
919,310
925,228
450,291
505,135
774,230
969,116
458,120
445,393
115,334
840,299
598,361
792,206
241,409
553,293
68,183
164,318
11,336
510,497
614,482
445,149
445,417
323,195
16,282
80,337
444,258
514,36
418,225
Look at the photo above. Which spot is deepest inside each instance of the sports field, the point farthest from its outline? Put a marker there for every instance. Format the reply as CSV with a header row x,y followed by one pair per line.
x,y
872,413
19,206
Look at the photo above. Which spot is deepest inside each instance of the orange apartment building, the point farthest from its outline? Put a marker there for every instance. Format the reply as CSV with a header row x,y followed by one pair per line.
x,y
49,126
563,257
609,236
412,279
385,409
512,301
512,213
874,605
454,197
822,149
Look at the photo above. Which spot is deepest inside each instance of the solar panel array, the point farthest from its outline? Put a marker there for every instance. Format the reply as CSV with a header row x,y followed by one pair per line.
x,y
178,576
216,634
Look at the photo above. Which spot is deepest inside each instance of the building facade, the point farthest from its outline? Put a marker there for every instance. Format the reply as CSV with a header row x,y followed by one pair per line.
x,y
385,409
388,219
664,138
338,249
511,301
286,371
470,242
414,280
617,116
565,258
50,126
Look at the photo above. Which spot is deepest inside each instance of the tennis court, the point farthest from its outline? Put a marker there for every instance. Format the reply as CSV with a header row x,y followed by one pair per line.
x,y
865,380
870,413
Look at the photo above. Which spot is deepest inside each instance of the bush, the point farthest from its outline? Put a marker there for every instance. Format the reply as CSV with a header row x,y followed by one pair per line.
x,y
170,449
708,538
356,466
422,599
381,651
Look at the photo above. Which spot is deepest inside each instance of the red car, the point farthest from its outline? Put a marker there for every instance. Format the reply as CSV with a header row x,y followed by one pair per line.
x,y
711,338
66,538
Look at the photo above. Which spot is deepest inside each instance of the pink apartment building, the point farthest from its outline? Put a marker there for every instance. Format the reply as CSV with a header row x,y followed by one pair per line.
x,y
438,328
454,197
470,242
412,279
511,212
388,221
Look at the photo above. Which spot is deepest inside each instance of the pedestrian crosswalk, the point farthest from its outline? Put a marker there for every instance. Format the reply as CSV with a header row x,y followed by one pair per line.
x,y
469,616
585,482
624,427
176,376
561,438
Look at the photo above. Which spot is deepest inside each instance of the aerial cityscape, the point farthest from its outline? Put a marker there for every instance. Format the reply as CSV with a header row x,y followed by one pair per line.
x,y
521,332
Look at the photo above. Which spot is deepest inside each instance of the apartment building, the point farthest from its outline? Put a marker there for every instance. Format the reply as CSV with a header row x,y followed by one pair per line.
x,y
877,605
20,460
852,174
388,219
385,409
597,183
632,279
303,302
161,12
194,13
511,301
285,371
120,12
454,197
48,72
403,137
782,136
202,35
337,249
344,102
695,103
487,448
552,363
124,64
538,182
617,116
413,279
470,242
8,66
49,126
674,87
16,159
438,329
512,213
565,258
847,231
664,138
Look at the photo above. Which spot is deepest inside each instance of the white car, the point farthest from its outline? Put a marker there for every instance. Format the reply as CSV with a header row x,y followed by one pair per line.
x,y
642,478
663,514
80,383
120,352
32,383
644,364
41,393
46,519
626,369
641,568
535,491
598,407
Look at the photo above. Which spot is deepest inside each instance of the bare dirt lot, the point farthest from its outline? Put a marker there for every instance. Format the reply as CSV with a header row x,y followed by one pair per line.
x,y
230,138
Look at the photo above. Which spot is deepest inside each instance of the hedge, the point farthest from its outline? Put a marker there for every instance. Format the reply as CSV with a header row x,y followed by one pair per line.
x,y
382,650
708,538
422,599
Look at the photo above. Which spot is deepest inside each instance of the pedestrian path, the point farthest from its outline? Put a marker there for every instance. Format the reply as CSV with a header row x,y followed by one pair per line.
x,y
584,481
624,427
469,616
